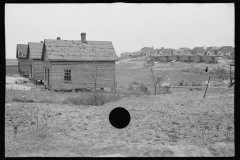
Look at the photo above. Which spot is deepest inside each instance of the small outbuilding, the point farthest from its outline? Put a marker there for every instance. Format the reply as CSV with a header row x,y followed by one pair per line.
x,y
34,53
211,59
23,61
77,64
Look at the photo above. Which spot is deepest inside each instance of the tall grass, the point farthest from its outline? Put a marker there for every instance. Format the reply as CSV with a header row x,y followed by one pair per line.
x,y
84,98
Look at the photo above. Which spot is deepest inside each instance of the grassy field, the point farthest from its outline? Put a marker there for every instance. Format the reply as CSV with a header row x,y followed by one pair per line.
x,y
182,123
189,73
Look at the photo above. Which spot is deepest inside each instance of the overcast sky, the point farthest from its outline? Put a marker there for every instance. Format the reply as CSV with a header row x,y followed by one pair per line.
x,y
130,27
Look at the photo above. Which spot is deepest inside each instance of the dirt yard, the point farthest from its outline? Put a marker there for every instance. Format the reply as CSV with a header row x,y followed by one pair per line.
x,y
162,125
179,124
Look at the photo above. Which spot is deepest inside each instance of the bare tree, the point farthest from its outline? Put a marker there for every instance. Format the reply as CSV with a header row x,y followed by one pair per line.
x,y
155,82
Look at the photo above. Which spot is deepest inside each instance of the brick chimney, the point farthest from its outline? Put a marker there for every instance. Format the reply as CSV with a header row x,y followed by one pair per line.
x,y
83,37
58,38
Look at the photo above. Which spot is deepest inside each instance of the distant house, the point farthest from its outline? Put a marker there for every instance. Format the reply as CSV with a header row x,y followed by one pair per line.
x,y
144,50
152,53
185,50
11,66
179,52
199,51
188,52
210,53
75,64
126,54
136,54
166,52
225,50
211,59
23,61
34,53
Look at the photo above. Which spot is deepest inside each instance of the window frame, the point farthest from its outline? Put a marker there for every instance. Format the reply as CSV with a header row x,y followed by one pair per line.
x,y
64,74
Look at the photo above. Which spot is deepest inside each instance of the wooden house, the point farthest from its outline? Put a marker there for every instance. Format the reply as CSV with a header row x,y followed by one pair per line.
x,y
165,52
154,58
163,58
34,53
76,64
211,59
174,57
185,58
198,51
23,61
196,58
144,50
179,52
225,50
11,66
150,53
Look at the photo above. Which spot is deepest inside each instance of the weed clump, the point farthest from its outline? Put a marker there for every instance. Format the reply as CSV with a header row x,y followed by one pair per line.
x,y
89,99
137,88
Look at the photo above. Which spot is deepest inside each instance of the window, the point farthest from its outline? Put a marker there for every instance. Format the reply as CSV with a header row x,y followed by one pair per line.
x,y
67,75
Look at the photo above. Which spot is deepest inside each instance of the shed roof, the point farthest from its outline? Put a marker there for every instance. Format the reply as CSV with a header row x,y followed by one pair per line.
x,y
11,62
76,50
21,51
35,50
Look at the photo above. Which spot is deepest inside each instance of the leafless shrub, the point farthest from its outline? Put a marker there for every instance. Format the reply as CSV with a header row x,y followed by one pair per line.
x,y
16,119
164,90
137,88
38,123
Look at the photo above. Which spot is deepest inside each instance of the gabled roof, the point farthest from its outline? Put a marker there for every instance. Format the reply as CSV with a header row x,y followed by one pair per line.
x,y
34,50
76,50
21,51
146,48
11,62
198,49
152,52
166,51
